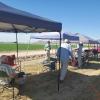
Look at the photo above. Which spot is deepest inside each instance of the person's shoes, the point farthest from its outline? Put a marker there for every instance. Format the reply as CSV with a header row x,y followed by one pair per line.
x,y
61,81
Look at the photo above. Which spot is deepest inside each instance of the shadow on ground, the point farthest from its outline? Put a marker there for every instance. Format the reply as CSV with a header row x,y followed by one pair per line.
x,y
92,65
77,86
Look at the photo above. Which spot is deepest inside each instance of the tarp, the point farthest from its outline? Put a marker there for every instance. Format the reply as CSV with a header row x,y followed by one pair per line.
x,y
70,36
86,39
25,22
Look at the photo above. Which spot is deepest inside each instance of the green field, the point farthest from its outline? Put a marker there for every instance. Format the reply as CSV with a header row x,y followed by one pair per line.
x,y
12,47
36,46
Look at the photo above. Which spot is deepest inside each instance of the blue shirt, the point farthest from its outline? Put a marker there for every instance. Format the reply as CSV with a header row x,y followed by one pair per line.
x,y
64,52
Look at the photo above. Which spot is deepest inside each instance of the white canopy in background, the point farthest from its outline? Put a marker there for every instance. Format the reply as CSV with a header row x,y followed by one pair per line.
x,y
86,39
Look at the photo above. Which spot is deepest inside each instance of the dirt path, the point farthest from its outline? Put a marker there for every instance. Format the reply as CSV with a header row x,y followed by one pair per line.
x,y
26,53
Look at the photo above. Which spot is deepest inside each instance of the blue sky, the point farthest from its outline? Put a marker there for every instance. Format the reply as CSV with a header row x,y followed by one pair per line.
x,y
77,16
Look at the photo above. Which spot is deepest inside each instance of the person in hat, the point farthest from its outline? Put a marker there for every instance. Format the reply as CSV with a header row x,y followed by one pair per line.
x,y
79,53
47,48
64,53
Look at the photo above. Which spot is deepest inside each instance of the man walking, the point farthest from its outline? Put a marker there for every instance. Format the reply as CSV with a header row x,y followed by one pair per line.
x,y
64,52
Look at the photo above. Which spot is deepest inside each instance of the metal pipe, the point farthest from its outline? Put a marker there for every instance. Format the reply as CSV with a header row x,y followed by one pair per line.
x,y
17,56
59,64
16,39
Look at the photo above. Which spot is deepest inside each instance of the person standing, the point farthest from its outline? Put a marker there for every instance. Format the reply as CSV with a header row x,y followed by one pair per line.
x,y
47,48
64,52
79,52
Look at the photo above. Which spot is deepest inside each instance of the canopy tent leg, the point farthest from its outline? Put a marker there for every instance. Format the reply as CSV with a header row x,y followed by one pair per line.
x,y
17,43
17,57
28,47
97,51
59,64
16,39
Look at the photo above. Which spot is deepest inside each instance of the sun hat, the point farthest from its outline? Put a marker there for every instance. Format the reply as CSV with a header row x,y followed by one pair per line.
x,y
80,42
66,40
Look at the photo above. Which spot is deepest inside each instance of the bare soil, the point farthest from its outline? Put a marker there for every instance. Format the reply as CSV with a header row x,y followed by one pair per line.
x,y
79,84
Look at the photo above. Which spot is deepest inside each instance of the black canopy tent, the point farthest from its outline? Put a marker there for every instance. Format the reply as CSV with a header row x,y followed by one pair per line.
x,y
24,21
14,20
17,21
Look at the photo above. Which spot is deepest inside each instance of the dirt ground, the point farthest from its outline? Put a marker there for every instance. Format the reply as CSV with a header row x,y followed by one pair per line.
x,y
79,84
26,53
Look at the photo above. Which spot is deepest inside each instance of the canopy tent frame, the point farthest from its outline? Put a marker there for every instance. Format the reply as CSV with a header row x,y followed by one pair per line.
x,y
25,22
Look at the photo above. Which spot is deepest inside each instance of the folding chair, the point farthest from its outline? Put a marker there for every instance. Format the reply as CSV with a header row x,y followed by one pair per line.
x,y
4,81
7,83
12,61
49,65
17,65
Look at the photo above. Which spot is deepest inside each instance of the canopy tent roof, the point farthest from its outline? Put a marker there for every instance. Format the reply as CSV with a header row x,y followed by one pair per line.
x,y
22,21
71,37
86,39
46,36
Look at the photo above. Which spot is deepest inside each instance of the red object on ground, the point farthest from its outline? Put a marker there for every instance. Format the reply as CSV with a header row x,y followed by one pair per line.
x,y
8,59
74,62
98,50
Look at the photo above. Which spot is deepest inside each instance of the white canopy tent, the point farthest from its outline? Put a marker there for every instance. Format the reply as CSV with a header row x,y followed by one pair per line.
x,y
85,39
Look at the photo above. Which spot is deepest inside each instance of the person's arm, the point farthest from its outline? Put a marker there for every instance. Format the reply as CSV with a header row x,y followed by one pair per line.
x,y
71,52
58,53
11,71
